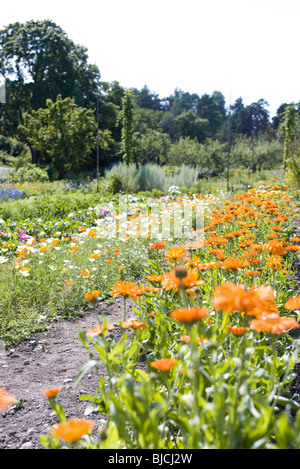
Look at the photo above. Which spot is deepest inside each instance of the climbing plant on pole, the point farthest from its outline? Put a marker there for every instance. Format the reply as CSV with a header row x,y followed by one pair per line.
x,y
290,116
128,126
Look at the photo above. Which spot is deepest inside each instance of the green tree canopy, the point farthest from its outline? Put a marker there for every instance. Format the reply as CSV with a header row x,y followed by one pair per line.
x,y
38,62
63,132
190,125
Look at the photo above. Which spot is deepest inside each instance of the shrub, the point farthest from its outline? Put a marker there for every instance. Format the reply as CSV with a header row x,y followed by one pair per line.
x,y
29,173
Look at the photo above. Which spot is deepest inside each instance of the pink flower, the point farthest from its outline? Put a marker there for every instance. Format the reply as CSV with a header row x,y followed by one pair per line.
x,y
23,236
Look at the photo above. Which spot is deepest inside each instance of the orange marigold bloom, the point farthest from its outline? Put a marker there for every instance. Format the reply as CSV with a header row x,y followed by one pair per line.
x,y
157,246
237,330
155,278
85,273
274,247
175,253
126,289
98,330
5,399
74,248
293,248
164,364
234,263
293,303
273,323
92,296
72,430
171,281
95,255
274,262
135,324
230,297
251,273
154,290
51,393
189,315
187,338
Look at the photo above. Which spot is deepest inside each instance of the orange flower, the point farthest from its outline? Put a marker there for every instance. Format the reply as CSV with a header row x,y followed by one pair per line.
x,y
135,324
189,315
175,254
74,249
5,399
51,393
126,289
200,340
171,280
85,273
95,255
274,262
92,296
230,297
157,246
43,249
234,263
164,364
293,303
251,273
69,283
273,323
155,278
237,330
72,430
293,248
98,330
274,247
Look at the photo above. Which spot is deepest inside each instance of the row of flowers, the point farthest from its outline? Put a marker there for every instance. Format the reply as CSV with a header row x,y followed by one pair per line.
x,y
209,353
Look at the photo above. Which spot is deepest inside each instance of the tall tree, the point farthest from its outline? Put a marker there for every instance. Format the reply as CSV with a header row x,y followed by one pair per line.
x,y
38,62
63,132
146,99
212,108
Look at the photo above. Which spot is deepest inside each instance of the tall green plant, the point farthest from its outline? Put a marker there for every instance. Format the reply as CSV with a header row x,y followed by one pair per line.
x,y
128,121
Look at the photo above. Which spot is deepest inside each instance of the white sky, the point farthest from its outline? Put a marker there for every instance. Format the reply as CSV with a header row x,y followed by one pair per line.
x,y
243,48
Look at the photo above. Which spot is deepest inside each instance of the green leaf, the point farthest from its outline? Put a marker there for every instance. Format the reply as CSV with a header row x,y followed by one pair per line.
x,y
90,364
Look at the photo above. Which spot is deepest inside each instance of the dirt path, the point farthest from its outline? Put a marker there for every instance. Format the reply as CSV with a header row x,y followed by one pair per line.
x,y
48,360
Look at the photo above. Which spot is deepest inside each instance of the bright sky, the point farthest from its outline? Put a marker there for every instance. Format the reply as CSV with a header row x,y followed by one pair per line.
x,y
243,48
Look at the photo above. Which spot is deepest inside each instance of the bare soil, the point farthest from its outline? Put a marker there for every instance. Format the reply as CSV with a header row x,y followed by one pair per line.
x,y
50,359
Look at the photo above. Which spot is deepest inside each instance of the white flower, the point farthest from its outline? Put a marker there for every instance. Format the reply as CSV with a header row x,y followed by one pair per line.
x,y
3,259
25,273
